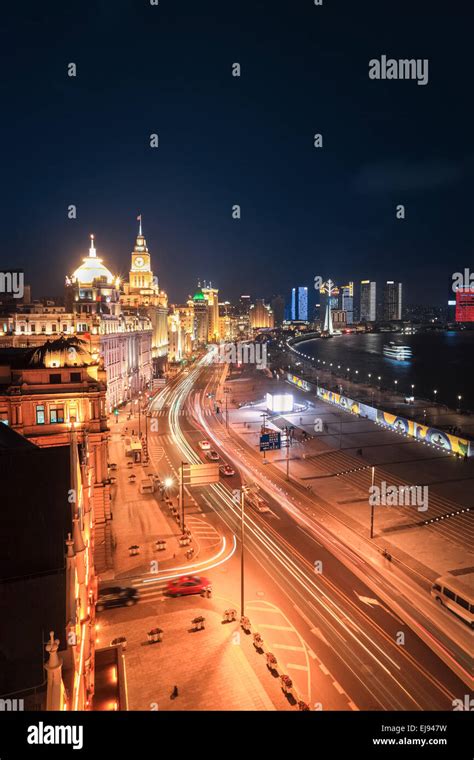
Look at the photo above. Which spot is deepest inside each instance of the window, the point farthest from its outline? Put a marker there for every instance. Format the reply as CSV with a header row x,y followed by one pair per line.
x,y
53,328
43,328
55,379
40,414
22,328
33,328
462,602
450,594
64,328
75,377
56,414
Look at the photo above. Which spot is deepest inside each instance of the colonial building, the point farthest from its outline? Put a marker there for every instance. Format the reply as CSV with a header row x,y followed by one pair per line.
x,y
48,393
47,529
261,315
121,338
201,318
142,293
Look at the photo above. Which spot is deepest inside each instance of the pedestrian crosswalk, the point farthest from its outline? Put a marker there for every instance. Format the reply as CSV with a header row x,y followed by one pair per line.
x,y
204,534
156,413
150,589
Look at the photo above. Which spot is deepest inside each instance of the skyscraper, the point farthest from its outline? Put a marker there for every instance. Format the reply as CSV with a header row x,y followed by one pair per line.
x,y
392,301
299,304
347,301
278,308
368,303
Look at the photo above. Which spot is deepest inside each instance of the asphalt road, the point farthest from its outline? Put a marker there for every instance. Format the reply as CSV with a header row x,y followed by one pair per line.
x,y
354,635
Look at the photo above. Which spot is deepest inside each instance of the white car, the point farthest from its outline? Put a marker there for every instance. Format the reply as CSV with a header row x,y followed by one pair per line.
x,y
259,503
204,445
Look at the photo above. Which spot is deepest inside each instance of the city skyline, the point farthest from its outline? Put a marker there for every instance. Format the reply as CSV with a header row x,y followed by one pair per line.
x,y
224,140
236,362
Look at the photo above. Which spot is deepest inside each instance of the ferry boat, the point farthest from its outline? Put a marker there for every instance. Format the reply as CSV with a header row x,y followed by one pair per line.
x,y
397,351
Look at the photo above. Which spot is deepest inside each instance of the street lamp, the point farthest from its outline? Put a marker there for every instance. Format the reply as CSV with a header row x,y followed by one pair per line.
x,y
459,399
435,392
372,505
244,489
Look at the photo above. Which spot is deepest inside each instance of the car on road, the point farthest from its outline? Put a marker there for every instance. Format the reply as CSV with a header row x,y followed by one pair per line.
x,y
213,455
227,470
116,596
204,445
256,501
188,584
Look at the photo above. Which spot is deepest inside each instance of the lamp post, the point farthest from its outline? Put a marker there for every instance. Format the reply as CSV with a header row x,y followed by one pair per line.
x,y
243,491
226,392
372,505
459,400
434,395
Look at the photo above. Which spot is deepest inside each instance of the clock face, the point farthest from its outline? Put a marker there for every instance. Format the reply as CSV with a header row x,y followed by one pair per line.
x,y
139,261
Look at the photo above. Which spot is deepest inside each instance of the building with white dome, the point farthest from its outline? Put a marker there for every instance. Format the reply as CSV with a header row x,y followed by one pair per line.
x,y
122,339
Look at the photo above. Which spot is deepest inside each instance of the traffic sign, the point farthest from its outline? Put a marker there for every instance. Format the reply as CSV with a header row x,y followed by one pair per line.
x,y
270,441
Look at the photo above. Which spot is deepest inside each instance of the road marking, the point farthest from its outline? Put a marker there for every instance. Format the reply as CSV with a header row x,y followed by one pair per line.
x,y
305,618
276,627
352,705
320,635
338,687
324,669
293,666
311,654
263,609
288,646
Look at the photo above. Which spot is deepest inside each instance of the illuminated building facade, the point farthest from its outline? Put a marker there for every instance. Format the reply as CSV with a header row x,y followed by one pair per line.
x,y
261,315
142,293
347,301
368,303
121,340
48,391
392,301
299,304
201,318
212,297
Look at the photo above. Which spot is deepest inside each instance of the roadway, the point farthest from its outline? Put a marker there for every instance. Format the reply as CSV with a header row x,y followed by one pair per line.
x,y
372,655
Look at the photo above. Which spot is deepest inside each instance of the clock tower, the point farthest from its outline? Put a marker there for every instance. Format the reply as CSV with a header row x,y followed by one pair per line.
x,y
141,276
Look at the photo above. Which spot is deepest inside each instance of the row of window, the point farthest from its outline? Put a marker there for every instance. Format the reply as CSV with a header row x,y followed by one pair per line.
x,y
55,378
54,327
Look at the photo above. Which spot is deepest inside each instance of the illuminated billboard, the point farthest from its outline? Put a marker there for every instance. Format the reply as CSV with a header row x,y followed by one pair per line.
x,y
280,402
465,305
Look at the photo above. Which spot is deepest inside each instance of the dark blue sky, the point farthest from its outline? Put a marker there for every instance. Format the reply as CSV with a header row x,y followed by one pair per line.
x,y
223,140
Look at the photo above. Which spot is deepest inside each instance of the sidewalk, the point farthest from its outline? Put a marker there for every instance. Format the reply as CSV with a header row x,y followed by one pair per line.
x,y
319,461
211,667
137,518
425,411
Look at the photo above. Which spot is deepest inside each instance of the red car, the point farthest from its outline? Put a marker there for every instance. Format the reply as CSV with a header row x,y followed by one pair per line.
x,y
188,584
227,470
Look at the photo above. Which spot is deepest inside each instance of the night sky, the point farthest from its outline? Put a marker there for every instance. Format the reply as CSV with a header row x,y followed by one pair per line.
x,y
224,140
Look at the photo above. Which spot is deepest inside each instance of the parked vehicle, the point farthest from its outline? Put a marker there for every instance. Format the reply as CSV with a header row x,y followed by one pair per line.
x,y
116,596
204,445
212,455
188,584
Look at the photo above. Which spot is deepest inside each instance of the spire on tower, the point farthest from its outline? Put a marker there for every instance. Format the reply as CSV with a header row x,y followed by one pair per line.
x,y
139,219
92,251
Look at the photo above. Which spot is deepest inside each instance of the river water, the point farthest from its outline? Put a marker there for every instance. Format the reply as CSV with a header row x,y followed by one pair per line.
x,y
442,361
